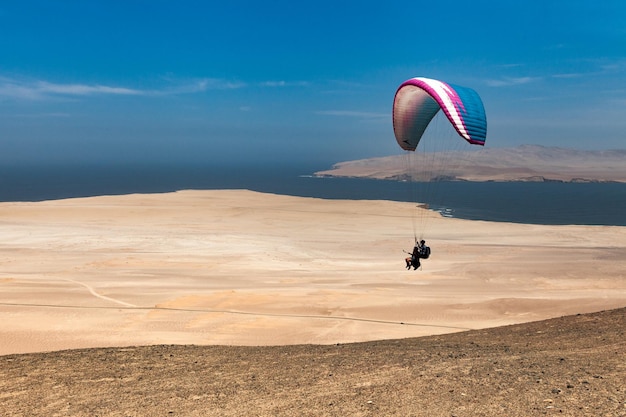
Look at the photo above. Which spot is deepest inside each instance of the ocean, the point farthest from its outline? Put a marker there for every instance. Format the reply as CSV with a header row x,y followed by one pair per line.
x,y
519,202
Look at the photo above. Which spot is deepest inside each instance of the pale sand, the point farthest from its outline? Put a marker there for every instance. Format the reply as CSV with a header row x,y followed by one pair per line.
x,y
245,268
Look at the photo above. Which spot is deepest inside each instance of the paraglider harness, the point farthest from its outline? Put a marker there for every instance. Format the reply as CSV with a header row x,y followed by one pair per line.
x,y
420,251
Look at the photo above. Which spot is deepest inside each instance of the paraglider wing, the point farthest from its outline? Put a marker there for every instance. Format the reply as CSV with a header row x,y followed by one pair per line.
x,y
418,100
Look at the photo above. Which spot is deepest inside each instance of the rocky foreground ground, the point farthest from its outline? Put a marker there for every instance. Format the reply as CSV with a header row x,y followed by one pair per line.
x,y
573,366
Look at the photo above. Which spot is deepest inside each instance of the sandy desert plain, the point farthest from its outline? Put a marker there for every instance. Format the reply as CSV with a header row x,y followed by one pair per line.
x,y
237,267
233,302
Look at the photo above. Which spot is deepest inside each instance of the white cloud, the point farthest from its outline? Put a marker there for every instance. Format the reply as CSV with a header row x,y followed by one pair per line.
x,y
31,90
352,113
614,66
25,89
569,75
40,90
82,89
197,85
509,81
9,89
283,84
511,65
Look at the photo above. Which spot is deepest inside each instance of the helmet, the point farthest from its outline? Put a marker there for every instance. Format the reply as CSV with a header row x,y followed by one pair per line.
x,y
422,241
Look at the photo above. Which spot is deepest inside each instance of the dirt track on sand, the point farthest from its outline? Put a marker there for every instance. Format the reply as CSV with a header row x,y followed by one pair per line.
x,y
574,366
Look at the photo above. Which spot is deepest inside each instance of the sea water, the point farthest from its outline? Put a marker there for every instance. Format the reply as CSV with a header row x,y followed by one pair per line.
x,y
520,202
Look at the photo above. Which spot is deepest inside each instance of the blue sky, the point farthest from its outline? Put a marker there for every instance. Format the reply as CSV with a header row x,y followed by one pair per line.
x,y
277,82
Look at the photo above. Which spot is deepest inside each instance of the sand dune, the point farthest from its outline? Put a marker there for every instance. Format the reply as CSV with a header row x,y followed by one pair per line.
x,y
245,268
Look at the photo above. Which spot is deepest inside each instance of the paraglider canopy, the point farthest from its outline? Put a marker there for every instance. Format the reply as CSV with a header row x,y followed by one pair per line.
x,y
418,100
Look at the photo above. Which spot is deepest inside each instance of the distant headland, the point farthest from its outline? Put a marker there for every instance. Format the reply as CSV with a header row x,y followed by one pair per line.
x,y
529,163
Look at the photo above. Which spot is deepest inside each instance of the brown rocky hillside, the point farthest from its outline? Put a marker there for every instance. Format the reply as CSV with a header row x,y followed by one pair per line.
x,y
569,366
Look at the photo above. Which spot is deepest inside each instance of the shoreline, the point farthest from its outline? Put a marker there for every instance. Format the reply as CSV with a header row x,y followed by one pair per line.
x,y
238,267
490,201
